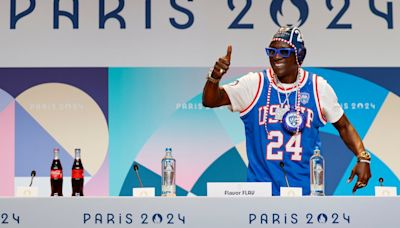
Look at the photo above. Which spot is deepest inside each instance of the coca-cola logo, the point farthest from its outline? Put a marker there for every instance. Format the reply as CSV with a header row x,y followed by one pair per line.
x,y
56,174
77,173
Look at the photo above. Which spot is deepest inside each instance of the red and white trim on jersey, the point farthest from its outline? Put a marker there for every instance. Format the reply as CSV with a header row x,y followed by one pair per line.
x,y
303,79
317,99
258,94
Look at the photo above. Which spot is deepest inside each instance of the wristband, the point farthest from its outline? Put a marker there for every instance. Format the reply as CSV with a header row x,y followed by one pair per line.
x,y
365,161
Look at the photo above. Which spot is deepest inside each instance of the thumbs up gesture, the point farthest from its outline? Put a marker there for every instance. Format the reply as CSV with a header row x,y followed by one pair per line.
x,y
222,65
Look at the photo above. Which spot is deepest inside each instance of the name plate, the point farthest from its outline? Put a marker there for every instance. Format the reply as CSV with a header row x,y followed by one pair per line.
x,y
27,192
385,191
239,189
143,192
291,192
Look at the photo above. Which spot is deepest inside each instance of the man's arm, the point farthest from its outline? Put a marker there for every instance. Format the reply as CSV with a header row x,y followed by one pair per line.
x,y
353,141
349,135
213,94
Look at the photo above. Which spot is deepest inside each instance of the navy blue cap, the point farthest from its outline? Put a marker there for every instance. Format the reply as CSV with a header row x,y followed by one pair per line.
x,y
292,36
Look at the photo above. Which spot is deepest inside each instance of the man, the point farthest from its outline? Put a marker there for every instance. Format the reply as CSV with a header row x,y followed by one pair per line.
x,y
282,109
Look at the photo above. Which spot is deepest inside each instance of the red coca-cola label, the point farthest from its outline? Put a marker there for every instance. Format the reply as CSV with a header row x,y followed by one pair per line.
x,y
56,174
77,173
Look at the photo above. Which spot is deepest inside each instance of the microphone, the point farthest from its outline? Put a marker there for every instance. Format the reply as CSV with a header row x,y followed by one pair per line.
x,y
33,174
282,165
136,168
381,181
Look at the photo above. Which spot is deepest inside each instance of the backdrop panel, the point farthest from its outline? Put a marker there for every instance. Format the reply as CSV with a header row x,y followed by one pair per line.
x,y
154,108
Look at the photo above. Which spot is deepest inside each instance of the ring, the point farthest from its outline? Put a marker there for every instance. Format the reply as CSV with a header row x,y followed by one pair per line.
x,y
221,71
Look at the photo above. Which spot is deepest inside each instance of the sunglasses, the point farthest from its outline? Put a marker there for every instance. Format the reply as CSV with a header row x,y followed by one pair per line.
x,y
284,52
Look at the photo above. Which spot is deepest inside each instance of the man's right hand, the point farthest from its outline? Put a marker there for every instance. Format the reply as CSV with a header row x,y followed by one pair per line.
x,y
213,94
222,65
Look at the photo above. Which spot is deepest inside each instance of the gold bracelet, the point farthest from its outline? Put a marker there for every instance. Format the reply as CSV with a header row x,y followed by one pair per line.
x,y
365,156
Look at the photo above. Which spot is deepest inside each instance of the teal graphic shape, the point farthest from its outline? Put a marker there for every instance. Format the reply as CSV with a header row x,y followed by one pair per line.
x,y
140,100
352,89
227,168
378,169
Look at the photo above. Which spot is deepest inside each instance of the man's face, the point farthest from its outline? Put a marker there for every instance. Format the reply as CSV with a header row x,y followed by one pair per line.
x,y
283,67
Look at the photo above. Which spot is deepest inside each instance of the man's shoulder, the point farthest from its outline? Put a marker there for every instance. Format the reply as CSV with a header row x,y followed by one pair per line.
x,y
250,81
250,78
253,75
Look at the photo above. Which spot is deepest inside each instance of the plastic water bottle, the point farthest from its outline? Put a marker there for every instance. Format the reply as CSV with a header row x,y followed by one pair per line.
x,y
168,167
317,174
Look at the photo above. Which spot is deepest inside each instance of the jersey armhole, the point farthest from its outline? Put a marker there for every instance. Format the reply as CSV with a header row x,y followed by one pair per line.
x,y
317,100
256,97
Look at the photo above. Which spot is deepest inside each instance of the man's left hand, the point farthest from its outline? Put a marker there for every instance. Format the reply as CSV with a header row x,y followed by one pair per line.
x,y
363,172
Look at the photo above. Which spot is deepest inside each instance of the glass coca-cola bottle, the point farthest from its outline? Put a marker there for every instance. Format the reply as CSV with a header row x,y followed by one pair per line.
x,y
56,175
77,175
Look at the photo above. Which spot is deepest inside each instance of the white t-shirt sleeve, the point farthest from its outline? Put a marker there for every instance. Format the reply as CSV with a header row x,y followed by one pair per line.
x,y
242,91
331,109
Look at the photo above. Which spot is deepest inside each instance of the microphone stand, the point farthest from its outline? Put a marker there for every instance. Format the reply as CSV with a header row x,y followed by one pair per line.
x,y
282,165
33,174
136,168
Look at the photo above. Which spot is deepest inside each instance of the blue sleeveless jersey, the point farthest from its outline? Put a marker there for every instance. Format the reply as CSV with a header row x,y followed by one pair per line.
x,y
265,153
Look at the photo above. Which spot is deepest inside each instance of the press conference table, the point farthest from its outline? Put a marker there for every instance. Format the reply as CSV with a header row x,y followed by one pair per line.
x,y
192,212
